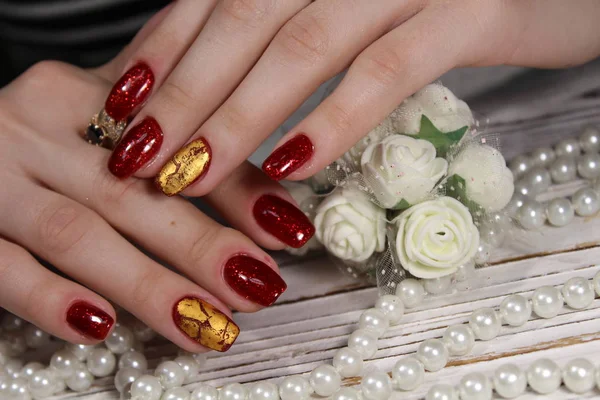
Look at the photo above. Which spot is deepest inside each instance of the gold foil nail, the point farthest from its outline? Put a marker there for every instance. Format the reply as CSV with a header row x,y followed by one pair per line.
x,y
205,324
187,166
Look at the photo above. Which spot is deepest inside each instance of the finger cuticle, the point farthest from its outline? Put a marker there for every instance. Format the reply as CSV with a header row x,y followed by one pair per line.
x,y
186,167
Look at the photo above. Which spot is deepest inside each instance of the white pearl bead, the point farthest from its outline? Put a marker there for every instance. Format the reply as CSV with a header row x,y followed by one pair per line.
x,y
63,362
81,351
433,354
538,179
42,383
578,293
515,310
411,292
547,301
542,157
567,148
392,307
509,381
588,166
408,373
133,359
4,352
80,380
170,374
483,253
146,387
348,362
120,340
205,392
374,321
16,343
492,233
142,332
465,271
532,215
190,367
59,383
586,202
437,285
364,342
376,385
177,393
124,376
29,368
346,393
519,165
475,386
263,391
544,376
294,388
35,337
4,384
101,362
200,358
523,187
18,389
578,375
563,169
442,392
325,380
515,204
560,212
589,141
596,283
232,391
126,393
13,367
459,339
485,323
12,323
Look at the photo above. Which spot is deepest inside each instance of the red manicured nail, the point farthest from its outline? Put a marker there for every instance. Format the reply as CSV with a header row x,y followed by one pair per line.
x,y
253,280
89,320
129,92
288,158
136,148
283,220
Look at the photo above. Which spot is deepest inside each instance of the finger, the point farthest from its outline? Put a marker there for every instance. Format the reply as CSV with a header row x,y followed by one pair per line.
x,y
387,72
54,304
312,47
83,246
233,39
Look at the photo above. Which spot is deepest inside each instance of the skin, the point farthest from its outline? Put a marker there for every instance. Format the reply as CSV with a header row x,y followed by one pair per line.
x,y
230,71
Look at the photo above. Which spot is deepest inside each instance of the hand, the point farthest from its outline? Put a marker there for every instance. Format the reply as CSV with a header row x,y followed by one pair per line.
x,y
60,203
229,72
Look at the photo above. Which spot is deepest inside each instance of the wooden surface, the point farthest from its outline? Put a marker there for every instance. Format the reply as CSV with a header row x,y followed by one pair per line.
x,y
321,307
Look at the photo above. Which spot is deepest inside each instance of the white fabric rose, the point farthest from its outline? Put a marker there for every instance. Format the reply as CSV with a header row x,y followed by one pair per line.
x,y
401,167
439,104
435,237
488,180
353,156
349,225
304,196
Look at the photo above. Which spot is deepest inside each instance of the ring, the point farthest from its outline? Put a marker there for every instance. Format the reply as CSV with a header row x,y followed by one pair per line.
x,y
104,131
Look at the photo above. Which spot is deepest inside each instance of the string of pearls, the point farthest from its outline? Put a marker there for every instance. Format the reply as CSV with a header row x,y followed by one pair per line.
x,y
75,366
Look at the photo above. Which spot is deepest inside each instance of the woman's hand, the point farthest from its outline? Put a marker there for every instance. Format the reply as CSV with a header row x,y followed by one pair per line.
x,y
229,72
60,204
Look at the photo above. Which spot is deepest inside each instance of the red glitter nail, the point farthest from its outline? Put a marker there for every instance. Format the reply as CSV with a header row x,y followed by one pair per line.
x,y
130,92
89,320
136,148
283,220
288,158
253,280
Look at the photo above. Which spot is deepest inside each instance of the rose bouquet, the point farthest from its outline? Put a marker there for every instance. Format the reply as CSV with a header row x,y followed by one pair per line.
x,y
414,196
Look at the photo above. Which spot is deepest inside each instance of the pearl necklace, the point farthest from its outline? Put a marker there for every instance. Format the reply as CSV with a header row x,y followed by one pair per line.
x,y
67,366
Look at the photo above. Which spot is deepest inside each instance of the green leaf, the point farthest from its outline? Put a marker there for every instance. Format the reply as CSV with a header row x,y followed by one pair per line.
x,y
401,205
456,187
442,141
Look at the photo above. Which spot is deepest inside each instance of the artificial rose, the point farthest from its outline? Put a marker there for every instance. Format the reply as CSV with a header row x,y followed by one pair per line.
x,y
402,168
439,104
488,180
304,196
435,237
349,225
353,156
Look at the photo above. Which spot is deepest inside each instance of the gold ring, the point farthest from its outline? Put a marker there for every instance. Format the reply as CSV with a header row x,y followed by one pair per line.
x,y
104,131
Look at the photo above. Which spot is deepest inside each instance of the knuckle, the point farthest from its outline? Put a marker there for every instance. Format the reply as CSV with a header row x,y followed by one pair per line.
x,y
9,263
176,97
44,74
339,118
202,244
110,191
237,121
384,66
305,38
248,12
61,227
145,286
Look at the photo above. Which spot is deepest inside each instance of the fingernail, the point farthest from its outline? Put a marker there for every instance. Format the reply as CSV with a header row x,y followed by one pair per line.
x,y
288,158
187,166
129,92
283,220
89,320
253,280
203,323
136,148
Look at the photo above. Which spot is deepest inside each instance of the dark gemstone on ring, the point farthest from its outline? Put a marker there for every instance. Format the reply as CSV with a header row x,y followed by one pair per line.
x,y
94,134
